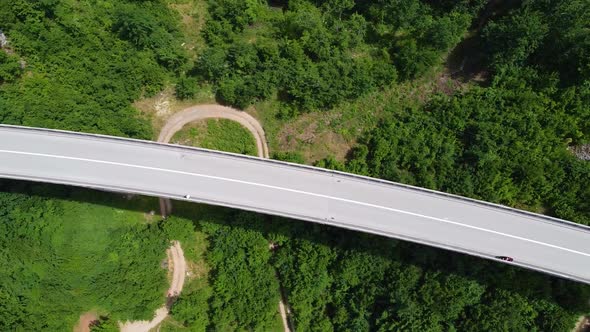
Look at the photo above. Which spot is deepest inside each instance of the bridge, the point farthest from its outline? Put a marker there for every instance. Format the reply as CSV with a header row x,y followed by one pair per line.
x,y
364,204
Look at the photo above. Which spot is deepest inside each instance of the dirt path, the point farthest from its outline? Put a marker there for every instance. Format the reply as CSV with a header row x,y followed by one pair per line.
x,y
85,320
177,264
201,112
582,325
283,312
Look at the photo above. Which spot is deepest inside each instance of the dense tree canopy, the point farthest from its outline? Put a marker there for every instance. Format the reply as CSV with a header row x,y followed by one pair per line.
x,y
552,35
86,63
505,143
340,280
316,54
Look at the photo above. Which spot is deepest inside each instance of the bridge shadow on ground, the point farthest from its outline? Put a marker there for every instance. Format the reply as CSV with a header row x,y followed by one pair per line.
x,y
490,274
117,200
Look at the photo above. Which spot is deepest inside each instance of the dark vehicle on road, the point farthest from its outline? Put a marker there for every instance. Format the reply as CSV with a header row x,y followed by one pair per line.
x,y
505,258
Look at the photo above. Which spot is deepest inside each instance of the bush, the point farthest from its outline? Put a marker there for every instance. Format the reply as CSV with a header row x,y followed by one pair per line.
x,y
10,68
186,87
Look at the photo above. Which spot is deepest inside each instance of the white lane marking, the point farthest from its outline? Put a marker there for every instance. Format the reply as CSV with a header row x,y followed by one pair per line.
x,y
445,220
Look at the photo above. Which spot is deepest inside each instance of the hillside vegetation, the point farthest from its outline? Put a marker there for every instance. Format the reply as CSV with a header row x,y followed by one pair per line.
x,y
316,54
86,62
80,64
74,252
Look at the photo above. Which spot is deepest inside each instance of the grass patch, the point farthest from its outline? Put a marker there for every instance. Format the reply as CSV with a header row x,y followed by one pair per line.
x,y
192,14
84,251
318,134
217,134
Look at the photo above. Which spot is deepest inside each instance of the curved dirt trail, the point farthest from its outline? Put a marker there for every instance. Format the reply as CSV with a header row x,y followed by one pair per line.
x,y
200,112
173,125
178,264
210,111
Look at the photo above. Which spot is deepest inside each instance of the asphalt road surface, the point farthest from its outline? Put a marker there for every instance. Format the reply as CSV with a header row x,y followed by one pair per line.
x,y
368,205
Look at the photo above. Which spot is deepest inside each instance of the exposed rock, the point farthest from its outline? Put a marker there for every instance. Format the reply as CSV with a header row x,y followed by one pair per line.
x,y
581,151
3,39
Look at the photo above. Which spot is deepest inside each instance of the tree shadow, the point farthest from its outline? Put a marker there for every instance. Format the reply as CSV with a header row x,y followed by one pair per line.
x,y
467,62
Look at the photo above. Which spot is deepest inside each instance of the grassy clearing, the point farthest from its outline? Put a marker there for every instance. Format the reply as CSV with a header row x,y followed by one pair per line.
x,y
333,132
217,134
160,107
192,14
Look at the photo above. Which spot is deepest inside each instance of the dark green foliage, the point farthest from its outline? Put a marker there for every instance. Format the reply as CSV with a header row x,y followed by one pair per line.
x,y
105,325
242,291
10,68
514,38
552,35
331,163
292,157
317,55
339,280
501,144
307,285
151,26
245,290
87,63
186,87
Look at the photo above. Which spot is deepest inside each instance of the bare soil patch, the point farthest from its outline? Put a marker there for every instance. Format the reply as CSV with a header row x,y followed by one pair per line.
x,y
583,324
86,321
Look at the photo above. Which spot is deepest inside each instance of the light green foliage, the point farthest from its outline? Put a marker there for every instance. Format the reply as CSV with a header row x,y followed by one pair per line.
x,y
10,68
191,308
179,229
218,134
61,258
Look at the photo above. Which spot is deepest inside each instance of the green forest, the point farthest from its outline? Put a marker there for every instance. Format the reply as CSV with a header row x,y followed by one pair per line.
x,y
523,68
